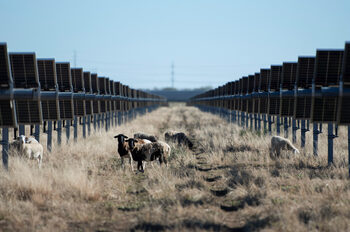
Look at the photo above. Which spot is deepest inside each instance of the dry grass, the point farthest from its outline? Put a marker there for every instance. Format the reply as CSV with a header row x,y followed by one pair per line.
x,y
228,183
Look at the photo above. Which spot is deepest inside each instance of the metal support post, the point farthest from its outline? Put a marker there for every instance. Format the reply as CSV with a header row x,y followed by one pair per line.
x,y
5,147
59,132
49,136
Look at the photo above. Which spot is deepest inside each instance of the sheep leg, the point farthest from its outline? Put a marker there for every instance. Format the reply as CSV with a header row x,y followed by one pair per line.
x,y
122,161
139,166
38,157
131,164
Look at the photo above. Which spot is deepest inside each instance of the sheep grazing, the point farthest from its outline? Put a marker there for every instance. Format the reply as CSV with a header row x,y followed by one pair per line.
x,y
147,152
179,138
123,149
32,149
151,138
278,143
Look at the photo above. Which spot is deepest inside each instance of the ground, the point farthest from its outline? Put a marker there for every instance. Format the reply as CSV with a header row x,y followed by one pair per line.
x,y
228,182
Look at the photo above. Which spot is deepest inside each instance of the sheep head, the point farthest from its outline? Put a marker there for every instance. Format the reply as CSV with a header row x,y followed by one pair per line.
x,y
121,138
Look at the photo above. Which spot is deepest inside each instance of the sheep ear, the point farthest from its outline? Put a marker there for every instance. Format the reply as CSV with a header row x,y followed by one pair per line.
x,y
126,136
116,136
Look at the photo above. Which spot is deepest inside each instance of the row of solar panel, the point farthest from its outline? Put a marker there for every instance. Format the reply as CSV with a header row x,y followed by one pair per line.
x,y
312,88
22,71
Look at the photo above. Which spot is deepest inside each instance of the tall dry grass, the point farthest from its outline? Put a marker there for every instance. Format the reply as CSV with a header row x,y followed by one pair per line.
x,y
228,183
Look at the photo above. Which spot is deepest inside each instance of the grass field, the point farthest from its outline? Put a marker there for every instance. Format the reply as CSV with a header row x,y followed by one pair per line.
x,y
228,183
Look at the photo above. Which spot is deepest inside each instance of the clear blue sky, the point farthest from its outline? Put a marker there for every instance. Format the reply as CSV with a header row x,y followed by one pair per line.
x,y
211,42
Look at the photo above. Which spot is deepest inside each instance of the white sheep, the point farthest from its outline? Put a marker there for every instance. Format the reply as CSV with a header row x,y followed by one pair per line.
x,y
32,149
279,143
151,138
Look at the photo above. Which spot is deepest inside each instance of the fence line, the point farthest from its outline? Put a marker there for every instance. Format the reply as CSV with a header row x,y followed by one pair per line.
x,y
51,96
314,90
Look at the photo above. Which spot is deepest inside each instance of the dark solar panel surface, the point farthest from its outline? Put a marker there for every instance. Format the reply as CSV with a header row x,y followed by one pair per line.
x,y
24,70
7,114
328,67
5,76
275,77
264,79
77,79
66,109
305,72
47,74
303,108
289,73
64,79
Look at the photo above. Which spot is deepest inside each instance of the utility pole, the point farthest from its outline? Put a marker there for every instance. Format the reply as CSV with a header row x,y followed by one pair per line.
x,y
172,74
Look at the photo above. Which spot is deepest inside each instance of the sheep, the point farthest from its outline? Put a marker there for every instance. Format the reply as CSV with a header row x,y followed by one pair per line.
x,y
279,143
147,152
123,148
32,149
151,138
178,137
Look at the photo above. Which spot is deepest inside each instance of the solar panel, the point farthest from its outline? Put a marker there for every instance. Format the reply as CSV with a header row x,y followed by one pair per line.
x,y
77,80
48,82
344,101
64,79
87,82
264,79
305,72
289,72
24,70
302,107
6,79
24,73
7,109
275,77
256,82
79,108
102,85
346,66
287,106
94,83
66,109
328,67
304,76
251,83
28,112
47,74
7,114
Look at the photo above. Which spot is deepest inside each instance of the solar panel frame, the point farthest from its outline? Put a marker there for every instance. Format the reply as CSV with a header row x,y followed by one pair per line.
x,y
77,80
344,100
328,67
47,74
264,79
48,82
289,72
25,75
305,72
6,81
275,77
7,107
24,70
64,79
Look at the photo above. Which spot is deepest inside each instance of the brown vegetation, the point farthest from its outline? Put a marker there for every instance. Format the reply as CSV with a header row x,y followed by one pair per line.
x,y
227,183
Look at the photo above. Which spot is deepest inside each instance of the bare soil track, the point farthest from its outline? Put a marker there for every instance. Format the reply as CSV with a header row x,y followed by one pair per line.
x,y
227,182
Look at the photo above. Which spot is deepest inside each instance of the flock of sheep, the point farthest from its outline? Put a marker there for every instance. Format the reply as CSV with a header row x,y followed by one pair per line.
x,y
141,148
147,148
